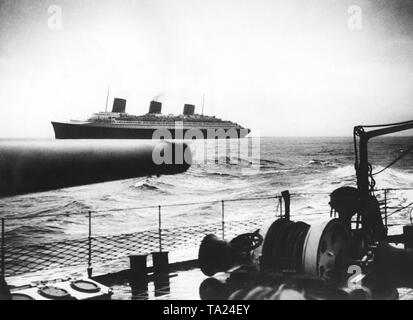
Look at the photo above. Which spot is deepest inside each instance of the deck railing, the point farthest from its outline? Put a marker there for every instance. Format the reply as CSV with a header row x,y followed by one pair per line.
x,y
93,248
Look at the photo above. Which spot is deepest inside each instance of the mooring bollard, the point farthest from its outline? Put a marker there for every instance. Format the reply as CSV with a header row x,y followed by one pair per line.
x,y
138,268
138,276
4,290
408,236
160,262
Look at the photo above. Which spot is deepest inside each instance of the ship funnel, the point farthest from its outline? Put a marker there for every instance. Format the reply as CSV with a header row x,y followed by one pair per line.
x,y
119,105
189,109
155,107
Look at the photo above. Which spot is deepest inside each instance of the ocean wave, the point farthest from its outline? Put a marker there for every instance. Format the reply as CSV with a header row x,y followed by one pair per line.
x,y
230,161
343,172
55,207
31,233
271,162
393,178
389,178
319,162
272,171
144,186
346,176
151,186
221,174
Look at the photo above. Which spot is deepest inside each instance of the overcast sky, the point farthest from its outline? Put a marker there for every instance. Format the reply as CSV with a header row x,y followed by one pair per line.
x,y
281,68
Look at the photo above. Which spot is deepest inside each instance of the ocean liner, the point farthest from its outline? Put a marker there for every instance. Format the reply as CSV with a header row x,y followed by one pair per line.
x,y
120,125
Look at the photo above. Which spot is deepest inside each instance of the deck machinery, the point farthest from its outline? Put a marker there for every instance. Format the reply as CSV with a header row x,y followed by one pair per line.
x,y
347,256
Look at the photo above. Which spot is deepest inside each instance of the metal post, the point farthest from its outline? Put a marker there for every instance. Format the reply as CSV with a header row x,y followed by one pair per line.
x,y
223,219
280,199
408,236
216,151
239,152
286,196
160,228
89,267
385,207
3,265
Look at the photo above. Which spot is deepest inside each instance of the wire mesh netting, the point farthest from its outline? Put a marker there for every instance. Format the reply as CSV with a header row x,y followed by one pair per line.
x,y
32,258
24,259
225,221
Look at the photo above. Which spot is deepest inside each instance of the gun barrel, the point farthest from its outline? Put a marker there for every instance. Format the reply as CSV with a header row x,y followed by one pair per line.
x,y
36,166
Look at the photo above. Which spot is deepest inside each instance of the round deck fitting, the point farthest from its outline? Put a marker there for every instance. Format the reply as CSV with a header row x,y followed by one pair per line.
x,y
325,247
21,296
54,293
85,286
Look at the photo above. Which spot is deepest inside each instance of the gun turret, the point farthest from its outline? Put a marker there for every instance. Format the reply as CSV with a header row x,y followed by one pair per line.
x,y
35,166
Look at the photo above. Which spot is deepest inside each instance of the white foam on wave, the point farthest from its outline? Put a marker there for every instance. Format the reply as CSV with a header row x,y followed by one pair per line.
x,y
343,172
316,190
346,176
393,178
389,178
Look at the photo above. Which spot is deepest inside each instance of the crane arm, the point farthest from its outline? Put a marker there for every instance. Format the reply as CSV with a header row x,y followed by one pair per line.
x,y
362,165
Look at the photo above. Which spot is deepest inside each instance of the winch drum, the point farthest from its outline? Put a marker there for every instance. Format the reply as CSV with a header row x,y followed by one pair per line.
x,y
322,246
325,248
267,232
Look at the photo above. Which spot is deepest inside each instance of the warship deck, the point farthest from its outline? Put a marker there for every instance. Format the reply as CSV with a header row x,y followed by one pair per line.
x,y
108,256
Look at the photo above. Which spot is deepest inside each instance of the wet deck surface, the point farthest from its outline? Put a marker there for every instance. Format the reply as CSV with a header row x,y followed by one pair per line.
x,y
182,285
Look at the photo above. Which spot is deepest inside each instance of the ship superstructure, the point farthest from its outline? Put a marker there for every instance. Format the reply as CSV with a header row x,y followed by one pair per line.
x,y
118,124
